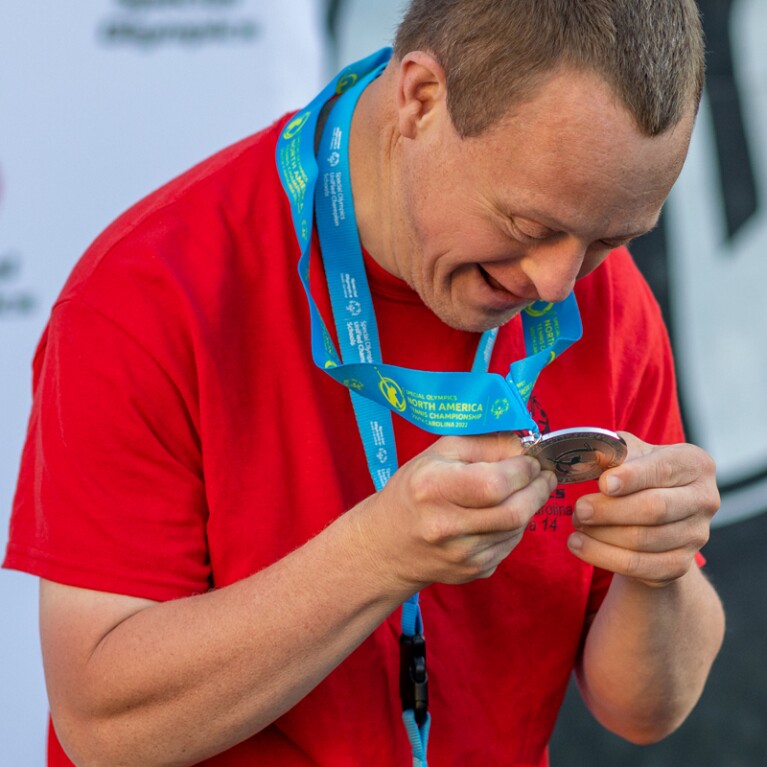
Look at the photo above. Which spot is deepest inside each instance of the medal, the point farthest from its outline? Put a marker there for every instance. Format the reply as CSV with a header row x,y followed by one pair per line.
x,y
577,455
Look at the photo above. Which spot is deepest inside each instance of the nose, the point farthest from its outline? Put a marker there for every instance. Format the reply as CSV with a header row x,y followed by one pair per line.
x,y
553,267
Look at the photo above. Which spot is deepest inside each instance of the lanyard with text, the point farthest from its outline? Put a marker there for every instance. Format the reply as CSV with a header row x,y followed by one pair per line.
x,y
473,402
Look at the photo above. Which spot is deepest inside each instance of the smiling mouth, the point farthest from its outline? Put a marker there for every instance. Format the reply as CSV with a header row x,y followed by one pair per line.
x,y
492,282
512,300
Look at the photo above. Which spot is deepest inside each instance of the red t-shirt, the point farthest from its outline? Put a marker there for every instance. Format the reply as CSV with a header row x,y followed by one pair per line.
x,y
181,439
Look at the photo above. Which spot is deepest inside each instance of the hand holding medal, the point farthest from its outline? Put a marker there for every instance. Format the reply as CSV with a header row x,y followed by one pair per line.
x,y
651,515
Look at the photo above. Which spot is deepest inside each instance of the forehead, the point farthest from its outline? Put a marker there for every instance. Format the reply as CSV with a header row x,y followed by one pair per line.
x,y
575,153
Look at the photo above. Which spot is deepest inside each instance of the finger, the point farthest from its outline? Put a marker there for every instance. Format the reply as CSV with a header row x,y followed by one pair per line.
x,y
648,507
690,534
495,532
488,558
478,557
483,485
661,466
515,512
478,447
493,523
654,568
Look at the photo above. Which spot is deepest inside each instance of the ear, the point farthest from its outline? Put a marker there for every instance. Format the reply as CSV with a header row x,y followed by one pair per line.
x,y
421,91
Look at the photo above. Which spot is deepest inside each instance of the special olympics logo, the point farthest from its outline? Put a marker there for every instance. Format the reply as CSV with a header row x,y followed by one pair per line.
x,y
345,82
354,308
392,393
295,125
334,159
499,407
538,309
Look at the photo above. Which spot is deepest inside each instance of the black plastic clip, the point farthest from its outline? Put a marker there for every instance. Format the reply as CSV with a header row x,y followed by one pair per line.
x,y
413,679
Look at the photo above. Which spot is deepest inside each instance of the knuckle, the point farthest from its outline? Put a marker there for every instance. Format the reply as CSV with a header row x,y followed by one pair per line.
x,y
710,501
657,507
474,570
662,507
517,515
642,538
708,464
486,573
423,486
701,536
492,486
465,564
463,554
632,564
436,529
677,563
545,485
664,472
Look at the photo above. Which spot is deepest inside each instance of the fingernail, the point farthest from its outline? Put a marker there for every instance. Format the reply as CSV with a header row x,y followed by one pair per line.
x,y
584,511
612,485
575,542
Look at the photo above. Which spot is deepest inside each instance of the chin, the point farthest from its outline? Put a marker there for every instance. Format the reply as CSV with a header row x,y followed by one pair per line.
x,y
472,317
473,320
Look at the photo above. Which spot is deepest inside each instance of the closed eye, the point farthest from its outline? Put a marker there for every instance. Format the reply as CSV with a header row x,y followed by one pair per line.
x,y
529,230
612,244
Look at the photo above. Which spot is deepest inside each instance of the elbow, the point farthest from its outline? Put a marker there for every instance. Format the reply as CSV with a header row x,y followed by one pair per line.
x,y
647,734
92,743
80,743
642,728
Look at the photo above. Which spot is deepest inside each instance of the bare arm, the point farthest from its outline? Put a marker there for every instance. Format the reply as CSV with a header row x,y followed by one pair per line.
x,y
133,682
651,645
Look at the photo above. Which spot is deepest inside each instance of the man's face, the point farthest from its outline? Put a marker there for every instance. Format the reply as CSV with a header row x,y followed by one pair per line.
x,y
494,223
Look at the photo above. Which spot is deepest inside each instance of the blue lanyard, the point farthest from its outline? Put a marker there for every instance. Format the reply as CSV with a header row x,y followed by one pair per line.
x,y
473,402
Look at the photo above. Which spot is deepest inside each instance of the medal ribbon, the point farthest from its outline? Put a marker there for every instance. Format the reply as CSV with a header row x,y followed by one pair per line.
x,y
475,402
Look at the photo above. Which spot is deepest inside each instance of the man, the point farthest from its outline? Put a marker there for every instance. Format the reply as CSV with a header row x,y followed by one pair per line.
x,y
220,578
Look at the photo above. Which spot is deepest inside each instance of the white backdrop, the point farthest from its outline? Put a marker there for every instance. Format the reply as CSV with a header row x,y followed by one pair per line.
x,y
107,100
100,102
718,286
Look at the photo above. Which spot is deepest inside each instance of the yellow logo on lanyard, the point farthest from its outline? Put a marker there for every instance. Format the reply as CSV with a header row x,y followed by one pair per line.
x,y
538,309
295,125
393,393
345,82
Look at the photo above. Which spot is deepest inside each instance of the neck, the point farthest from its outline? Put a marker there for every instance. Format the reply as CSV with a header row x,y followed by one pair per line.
x,y
371,145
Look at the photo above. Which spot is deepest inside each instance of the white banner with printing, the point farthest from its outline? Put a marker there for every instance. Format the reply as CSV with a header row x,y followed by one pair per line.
x,y
100,102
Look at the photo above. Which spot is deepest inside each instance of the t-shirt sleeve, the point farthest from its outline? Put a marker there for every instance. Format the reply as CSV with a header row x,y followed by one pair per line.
x,y
110,494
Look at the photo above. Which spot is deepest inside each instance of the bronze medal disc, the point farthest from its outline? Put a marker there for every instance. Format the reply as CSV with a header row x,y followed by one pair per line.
x,y
578,455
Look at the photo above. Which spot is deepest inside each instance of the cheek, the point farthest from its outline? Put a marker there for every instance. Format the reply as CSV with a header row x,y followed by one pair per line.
x,y
593,258
443,221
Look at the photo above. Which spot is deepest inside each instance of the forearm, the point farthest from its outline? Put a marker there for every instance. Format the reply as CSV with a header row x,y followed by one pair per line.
x,y
648,654
177,682
138,683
